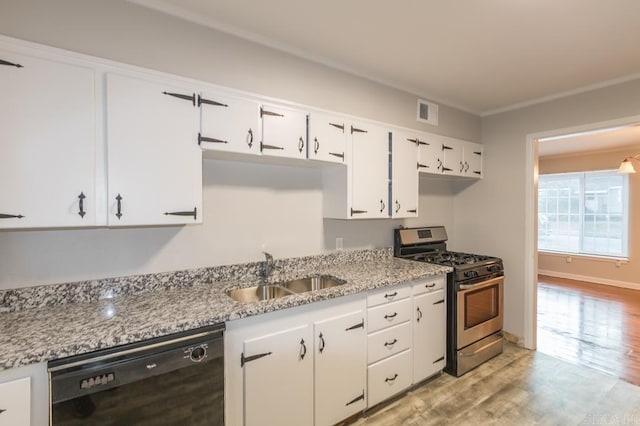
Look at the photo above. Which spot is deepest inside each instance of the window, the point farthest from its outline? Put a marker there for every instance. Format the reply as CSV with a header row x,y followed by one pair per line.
x,y
583,213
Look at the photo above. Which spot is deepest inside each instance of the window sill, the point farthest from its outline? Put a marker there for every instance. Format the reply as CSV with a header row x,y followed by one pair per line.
x,y
613,259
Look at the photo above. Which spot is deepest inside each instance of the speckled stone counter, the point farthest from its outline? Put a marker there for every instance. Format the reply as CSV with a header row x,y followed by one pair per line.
x,y
56,321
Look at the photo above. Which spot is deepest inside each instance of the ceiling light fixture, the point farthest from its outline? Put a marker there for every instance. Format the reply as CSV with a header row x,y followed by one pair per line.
x,y
626,166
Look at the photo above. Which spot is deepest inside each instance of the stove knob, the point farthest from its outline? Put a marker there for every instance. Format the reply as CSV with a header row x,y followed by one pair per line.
x,y
198,354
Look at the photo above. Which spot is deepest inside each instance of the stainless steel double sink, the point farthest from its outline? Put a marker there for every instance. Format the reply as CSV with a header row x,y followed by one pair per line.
x,y
284,288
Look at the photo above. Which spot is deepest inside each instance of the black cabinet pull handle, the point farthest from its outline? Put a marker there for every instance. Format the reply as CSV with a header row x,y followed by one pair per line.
x,y
81,198
338,154
412,211
357,211
397,206
391,343
206,139
439,164
419,314
321,342
393,315
193,213
390,295
466,166
439,359
356,399
316,145
300,144
446,147
461,166
202,100
10,64
432,285
264,112
250,138
438,302
119,212
244,360
353,327
355,130
10,216
303,348
391,379
338,126
191,97
423,165
382,206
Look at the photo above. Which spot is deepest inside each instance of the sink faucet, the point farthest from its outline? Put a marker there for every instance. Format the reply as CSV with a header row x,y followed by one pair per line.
x,y
269,266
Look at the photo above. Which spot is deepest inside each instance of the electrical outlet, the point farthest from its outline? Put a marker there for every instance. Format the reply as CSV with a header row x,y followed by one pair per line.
x,y
339,243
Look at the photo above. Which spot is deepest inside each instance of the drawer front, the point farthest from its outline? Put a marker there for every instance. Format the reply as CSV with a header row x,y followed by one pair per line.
x,y
388,315
429,284
389,341
15,401
388,295
388,377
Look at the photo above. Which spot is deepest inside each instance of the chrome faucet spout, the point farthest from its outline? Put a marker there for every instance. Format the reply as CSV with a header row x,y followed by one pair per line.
x,y
269,266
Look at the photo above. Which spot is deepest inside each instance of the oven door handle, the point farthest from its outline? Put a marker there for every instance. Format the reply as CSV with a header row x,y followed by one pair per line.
x,y
482,284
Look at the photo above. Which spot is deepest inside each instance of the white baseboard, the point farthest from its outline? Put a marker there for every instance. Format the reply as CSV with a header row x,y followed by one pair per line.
x,y
605,281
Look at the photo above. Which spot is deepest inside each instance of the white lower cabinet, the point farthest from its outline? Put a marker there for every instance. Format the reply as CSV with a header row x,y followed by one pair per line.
x,y
389,377
299,366
15,402
278,378
429,338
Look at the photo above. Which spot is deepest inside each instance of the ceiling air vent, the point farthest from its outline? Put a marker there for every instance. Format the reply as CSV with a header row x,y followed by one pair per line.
x,y
427,112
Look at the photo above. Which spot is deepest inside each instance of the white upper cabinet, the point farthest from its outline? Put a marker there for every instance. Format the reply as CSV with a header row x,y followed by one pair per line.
x,y
154,161
284,132
369,171
451,156
404,174
229,123
48,143
327,137
429,152
472,159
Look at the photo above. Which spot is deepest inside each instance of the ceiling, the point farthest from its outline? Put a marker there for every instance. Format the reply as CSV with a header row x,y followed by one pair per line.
x,y
600,140
480,56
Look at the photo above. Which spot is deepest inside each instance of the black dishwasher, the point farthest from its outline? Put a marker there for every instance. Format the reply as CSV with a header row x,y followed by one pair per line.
x,y
174,380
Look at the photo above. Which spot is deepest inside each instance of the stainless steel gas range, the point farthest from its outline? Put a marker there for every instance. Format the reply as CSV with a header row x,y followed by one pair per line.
x,y
474,296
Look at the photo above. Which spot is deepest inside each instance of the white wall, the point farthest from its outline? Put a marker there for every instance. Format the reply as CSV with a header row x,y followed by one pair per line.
x,y
490,215
246,206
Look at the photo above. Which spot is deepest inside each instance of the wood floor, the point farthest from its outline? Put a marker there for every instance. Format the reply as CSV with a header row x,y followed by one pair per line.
x,y
519,387
590,324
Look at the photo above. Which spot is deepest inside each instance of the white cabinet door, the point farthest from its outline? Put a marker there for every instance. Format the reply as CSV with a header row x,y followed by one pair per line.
x,y
278,378
284,132
452,155
47,140
430,153
327,137
429,341
340,367
473,159
15,402
404,177
229,123
154,161
369,171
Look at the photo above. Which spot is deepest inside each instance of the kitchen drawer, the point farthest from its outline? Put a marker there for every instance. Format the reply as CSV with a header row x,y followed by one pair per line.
x,y
426,285
388,342
390,314
15,402
388,377
388,295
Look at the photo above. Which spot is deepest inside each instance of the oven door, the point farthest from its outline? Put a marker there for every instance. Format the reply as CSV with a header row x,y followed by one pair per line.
x,y
479,310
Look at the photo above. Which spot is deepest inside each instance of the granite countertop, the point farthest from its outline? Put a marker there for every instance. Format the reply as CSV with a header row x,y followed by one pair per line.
x,y
57,330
